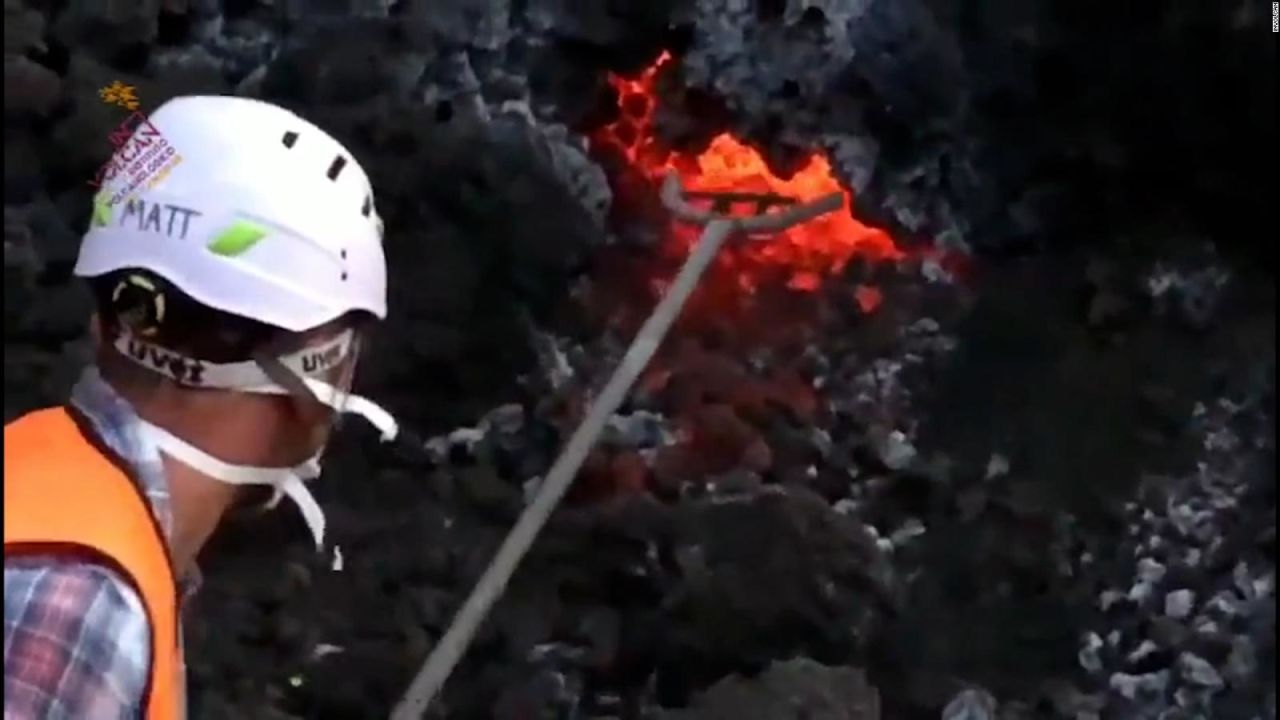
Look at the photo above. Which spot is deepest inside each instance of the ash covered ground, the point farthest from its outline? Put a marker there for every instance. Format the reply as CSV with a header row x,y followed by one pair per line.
x,y
1024,468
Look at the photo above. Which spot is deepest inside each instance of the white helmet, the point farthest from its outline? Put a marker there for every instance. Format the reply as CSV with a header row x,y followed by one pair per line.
x,y
251,210
246,207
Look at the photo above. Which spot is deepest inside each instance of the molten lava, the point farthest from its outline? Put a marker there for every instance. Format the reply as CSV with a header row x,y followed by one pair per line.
x,y
802,257
759,294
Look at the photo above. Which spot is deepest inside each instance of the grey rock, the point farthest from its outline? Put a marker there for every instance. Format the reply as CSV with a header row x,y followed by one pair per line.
x,y
346,64
62,313
488,492
793,689
896,451
1070,702
20,255
1168,633
1133,687
761,571
1141,592
1191,700
104,27
1088,656
1150,571
193,60
475,23
310,10
1179,604
1144,649
29,87
997,466
246,46
1197,671
736,482
23,30
1109,598
909,530
580,175
58,242
1242,664
971,704
602,630
855,159
640,429
1226,605
505,420
547,690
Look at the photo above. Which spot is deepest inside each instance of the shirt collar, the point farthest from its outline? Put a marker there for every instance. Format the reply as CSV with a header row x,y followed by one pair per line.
x,y
118,426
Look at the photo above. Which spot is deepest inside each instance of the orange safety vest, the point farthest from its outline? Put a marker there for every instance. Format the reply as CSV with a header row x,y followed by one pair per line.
x,y
64,493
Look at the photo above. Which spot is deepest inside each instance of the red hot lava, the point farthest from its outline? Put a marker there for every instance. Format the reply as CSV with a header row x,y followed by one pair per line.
x,y
759,293
800,258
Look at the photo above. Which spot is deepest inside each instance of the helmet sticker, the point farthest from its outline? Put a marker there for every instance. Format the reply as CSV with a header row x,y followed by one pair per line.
x,y
237,239
102,208
141,153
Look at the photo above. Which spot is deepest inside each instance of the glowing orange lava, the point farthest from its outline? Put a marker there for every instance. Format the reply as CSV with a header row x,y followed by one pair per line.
x,y
803,256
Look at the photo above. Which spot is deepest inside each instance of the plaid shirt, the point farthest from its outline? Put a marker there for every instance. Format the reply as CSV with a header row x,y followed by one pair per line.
x,y
76,639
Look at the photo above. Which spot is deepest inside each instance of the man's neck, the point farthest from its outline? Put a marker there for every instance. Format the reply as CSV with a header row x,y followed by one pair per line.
x,y
198,503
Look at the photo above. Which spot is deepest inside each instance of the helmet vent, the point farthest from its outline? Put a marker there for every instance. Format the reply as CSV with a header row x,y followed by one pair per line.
x,y
289,139
368,206
336,166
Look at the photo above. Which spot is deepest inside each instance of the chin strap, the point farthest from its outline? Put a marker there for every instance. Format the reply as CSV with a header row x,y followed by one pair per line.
x,y
286,481
255,376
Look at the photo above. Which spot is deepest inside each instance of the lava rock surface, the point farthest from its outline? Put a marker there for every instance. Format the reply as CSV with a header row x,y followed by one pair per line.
x,y
1041,487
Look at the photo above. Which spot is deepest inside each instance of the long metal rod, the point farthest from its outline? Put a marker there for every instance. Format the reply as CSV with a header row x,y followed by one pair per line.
x,y
438,666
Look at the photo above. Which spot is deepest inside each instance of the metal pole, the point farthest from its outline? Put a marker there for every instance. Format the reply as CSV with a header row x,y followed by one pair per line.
x,y
435,671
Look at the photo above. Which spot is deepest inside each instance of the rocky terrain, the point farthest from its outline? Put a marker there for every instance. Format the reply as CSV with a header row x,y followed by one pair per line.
x,y
1021,467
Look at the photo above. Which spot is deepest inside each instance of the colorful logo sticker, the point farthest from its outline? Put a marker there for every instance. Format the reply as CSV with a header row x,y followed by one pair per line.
x,y
141,153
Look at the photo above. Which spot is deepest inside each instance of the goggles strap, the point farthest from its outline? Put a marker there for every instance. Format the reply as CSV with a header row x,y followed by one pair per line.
x,y
286,374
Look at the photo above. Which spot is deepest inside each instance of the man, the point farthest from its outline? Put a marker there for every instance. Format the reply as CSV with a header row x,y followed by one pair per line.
x,y
232,294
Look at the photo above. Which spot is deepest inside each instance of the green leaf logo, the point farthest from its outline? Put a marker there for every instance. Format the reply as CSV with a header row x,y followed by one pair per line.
x,y
101,209
237,239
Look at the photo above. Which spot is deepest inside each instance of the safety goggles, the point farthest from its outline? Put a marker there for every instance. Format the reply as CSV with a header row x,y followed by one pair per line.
x,y
322,372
